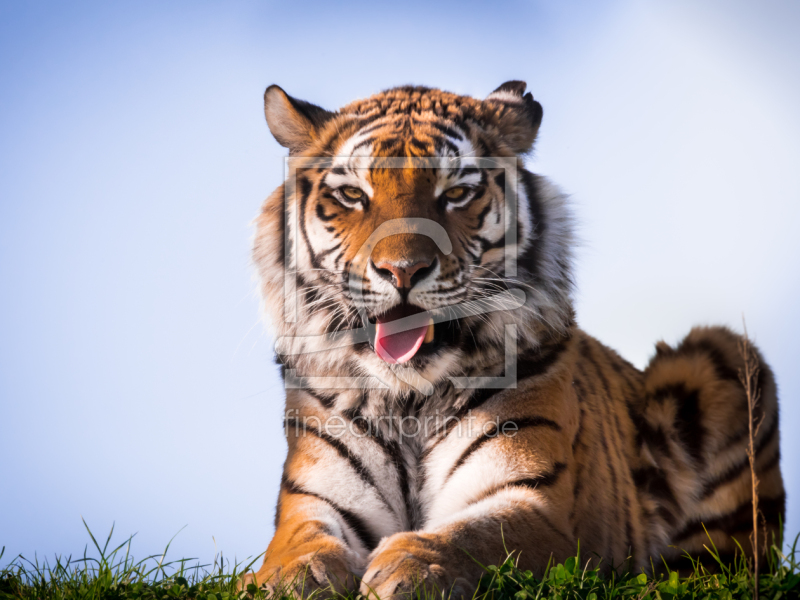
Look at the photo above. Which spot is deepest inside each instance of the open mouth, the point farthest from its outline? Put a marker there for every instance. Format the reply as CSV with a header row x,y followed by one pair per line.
x,y
401,332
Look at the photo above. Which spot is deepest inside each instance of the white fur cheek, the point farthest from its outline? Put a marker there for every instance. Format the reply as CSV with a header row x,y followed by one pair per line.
x,y
426,286
383,294
325,244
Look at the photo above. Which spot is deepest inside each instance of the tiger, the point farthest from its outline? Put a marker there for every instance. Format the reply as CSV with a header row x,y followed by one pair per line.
x,y
443,408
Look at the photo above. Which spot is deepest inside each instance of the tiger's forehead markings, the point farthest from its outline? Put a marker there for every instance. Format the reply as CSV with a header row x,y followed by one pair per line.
x,y
351,164
458,165
450,144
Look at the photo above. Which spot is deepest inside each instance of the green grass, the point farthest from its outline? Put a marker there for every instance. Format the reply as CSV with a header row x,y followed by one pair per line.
x,y
113,574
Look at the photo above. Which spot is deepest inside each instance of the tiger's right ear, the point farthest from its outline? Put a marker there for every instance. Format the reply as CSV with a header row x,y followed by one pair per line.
x,y
294,123
517,114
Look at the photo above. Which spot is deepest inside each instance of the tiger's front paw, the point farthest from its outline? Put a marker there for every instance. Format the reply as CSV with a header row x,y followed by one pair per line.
x,y
306,569
406,561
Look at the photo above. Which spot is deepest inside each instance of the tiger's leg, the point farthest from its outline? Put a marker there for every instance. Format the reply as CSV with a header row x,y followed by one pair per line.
x,y
308,551
488,493
445,559
697,417
338,498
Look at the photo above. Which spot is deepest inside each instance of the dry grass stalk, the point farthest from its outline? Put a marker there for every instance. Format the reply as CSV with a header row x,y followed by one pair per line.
x,y
748,375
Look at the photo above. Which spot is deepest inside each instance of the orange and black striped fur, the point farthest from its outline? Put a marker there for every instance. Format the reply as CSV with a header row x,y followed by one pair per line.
x,y
399,472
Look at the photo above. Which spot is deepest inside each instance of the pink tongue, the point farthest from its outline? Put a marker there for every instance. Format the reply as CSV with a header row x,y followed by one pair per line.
x,y
398,347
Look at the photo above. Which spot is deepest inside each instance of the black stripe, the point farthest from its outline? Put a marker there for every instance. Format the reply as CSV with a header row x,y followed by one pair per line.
x,y
470,170
690,426
577,485
500,181
448,144
419,145
533,483
475,445
740,519
354,414
483,147
688,420
362,144
325,253
771,463
338,322
532,422
487,245
483,213
629,549
326,400
343,450
613,474
370,128
393,451
322,216
546,480
310,295
735,471
278,505
580,394
353,521
279,239
550,524
387,147
721,365
496,432
744,431
653,481
443,128
305,190
623,473
305,187
651,435
531,258
736,437
532,364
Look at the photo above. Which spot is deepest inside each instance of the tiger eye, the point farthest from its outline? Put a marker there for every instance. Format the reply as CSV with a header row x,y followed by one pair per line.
x,y
455,193
353,193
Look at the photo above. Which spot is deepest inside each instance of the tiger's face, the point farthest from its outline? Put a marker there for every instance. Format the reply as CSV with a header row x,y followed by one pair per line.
x,y
397,229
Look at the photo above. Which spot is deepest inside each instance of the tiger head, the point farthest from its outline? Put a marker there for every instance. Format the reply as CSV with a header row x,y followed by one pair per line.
x,y
408,244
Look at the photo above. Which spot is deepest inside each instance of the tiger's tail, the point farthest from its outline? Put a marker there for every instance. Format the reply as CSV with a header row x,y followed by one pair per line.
x,y
696,411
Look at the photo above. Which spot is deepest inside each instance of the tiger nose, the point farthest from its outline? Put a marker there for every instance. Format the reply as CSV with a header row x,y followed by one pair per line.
x,y
403,276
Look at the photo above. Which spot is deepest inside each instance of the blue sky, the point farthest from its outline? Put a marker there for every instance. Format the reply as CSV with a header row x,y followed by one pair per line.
x,y
136,382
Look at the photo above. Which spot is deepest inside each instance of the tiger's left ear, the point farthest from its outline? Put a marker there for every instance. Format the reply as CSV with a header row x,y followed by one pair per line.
x,y
516,113
294,123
